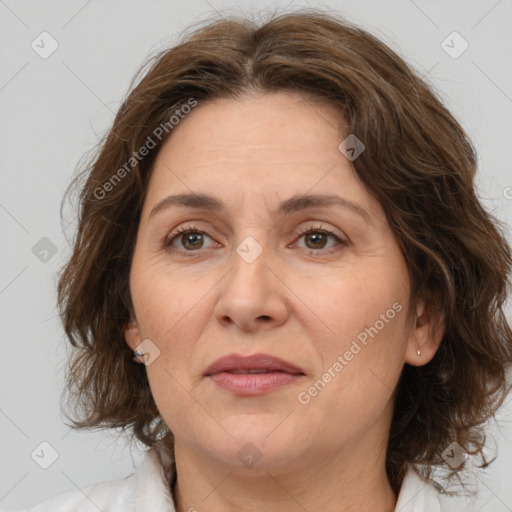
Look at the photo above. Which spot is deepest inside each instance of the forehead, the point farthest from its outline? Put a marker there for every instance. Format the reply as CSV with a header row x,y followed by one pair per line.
x,y
271,127
269,146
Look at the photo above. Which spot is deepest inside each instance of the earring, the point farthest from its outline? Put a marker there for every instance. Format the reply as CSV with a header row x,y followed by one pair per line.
x,y
138,354
418,352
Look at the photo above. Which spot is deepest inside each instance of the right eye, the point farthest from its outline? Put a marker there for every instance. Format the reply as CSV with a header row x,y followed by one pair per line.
x,y
190,236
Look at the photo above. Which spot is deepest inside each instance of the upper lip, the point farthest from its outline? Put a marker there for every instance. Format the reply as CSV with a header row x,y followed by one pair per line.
x,y
240,362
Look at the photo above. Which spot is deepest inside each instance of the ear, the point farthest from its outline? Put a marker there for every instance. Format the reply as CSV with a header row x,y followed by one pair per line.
x,y
427,331
132,334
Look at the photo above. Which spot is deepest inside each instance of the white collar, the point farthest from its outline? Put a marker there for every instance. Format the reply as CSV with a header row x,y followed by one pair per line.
x,y
152,493
416,494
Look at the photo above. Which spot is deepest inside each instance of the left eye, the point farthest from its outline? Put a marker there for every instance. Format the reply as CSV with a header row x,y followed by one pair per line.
x,y
319,237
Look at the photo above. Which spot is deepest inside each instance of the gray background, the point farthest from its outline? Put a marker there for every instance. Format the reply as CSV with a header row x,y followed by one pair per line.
x,y
55,109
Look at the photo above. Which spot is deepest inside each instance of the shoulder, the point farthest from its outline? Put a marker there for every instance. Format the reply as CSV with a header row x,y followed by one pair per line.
x,y
112,496
144,490
419,495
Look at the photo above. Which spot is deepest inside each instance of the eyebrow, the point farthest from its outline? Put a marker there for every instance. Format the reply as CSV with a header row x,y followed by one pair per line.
x,y
293,204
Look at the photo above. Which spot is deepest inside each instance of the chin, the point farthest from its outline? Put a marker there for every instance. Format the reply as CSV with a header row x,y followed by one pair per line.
x,y
257,441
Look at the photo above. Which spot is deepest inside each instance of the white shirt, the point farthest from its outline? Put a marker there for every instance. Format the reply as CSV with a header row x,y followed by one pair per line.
x,y
146,490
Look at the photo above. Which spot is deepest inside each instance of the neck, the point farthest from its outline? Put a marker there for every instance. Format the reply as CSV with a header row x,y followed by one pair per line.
x,y
341,482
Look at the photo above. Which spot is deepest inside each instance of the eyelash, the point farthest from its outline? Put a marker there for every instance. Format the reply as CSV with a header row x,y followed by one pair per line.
x,y
311,229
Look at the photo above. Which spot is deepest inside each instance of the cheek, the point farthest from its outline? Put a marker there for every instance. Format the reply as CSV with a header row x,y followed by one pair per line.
x,y
360,371
354,299
161,300
364,350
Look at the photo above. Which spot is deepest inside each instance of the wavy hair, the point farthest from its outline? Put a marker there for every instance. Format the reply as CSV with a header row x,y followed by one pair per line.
x,y
418,163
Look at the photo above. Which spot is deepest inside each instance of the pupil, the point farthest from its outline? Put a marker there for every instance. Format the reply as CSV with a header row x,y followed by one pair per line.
x,y
193,237
317,235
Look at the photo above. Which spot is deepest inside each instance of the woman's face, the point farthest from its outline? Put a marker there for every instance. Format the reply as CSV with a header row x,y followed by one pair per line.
x,y
247,280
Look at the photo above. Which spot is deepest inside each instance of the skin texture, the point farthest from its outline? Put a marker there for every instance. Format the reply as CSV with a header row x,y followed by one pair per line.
x,y
303,299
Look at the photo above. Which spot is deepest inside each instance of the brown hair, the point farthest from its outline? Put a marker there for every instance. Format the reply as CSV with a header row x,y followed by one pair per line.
x,y
418,163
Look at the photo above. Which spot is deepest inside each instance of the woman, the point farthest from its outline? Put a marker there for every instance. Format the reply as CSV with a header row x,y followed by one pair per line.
x,y
283,283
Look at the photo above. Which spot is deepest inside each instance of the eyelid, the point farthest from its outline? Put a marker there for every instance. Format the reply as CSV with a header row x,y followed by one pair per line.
x,y
320,228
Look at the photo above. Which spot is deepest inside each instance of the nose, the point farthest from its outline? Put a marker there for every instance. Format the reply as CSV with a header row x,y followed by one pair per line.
x,y
252,296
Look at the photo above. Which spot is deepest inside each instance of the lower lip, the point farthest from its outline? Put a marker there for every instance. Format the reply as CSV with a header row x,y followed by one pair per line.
x,y
253,383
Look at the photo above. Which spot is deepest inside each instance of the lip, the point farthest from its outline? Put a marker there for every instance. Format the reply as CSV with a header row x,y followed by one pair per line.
x,y
238,362
279,373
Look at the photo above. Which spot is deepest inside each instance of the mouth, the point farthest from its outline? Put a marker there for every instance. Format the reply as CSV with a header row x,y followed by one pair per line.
x,y
252,375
